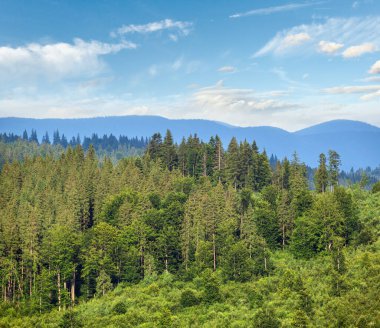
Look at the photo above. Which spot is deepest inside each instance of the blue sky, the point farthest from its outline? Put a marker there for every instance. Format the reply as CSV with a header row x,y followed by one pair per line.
x,y
288,64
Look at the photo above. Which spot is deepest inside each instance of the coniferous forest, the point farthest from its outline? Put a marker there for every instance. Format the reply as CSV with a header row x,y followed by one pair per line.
x,y
198,234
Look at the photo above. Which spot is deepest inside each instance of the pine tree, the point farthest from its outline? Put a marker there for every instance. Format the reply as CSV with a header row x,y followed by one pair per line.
x,y
56,138
232,163
334,164
33,137
169,155
245,163
46,139
182,157
64,141
154,148
321,175
264,172
218,158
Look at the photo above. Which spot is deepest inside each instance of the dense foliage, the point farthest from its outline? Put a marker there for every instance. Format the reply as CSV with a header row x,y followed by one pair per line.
x,y
186,235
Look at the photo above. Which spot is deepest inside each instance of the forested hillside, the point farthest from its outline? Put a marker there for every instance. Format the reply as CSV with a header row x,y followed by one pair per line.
x,y
189,235
18,147
357,142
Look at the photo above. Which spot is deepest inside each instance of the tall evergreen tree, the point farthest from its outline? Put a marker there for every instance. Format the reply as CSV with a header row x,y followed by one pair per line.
x,y
56,138
45,138
169,155
321,176
232,163
33,136
334,165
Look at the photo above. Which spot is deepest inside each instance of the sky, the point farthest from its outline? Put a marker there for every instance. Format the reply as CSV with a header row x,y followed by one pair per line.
x,y
289,64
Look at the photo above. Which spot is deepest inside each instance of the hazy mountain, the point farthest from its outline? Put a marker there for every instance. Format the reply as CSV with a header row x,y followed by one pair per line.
x,y
358,143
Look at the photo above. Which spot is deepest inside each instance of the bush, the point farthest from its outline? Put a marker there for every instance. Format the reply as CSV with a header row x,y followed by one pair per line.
x,y
376,187
188,298
119,308
70,320
266,318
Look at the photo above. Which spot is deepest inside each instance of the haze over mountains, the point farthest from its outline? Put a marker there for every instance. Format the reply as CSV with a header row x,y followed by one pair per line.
x,y
358,143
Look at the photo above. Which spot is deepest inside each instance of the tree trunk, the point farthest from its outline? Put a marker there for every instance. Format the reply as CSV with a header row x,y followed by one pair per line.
x,y
241,226
214,250
204,164
166,263
65,289
265,261
59,289
72,293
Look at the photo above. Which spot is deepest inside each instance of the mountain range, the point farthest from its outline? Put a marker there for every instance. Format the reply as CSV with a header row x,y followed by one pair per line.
x,y
358,143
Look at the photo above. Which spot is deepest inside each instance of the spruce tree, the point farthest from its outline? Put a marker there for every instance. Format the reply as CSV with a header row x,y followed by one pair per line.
x,y
334,165
232,163
321,176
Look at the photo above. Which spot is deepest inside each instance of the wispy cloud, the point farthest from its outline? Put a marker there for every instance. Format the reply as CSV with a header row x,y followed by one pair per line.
x,y
357,51
227,69
352,89
272,10
371,79
356,33
375,68
179,27
233,99
57,60
371,95
369,91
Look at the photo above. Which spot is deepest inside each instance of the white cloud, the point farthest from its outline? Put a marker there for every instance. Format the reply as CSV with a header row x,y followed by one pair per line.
x,y
182,28
348,31
329,47
272,10
352,89
357,51
371,79
227,69
371,96
375,68
295,39
369,92
57,60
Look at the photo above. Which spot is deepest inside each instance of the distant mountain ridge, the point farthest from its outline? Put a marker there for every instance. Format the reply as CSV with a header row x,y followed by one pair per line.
x,y
358,143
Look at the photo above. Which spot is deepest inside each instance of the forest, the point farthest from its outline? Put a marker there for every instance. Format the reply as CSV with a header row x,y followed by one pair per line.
x,y
189,235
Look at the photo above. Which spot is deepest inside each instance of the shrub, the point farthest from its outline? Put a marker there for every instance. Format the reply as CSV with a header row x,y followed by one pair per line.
x,y
119,308
188,298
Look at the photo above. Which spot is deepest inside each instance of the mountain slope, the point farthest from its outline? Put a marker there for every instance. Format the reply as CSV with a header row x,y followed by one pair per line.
x,y
356,142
